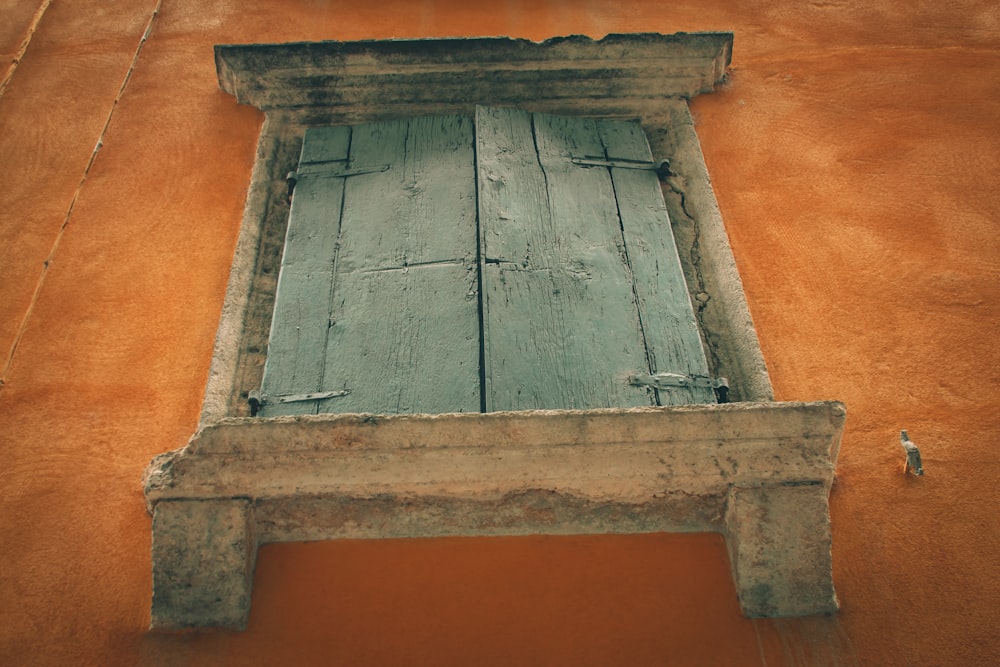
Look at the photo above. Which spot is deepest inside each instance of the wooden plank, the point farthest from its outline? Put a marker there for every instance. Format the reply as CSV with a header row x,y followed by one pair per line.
x,y
405,332
302,302
561,328
323,144
422,209
513,199
405,341
669,325
513,217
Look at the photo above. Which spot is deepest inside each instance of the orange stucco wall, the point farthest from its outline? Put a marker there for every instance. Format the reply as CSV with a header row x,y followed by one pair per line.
x,y
854,152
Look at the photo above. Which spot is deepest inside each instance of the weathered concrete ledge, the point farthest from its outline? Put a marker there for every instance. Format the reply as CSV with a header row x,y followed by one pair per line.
x,y
692,468
386,76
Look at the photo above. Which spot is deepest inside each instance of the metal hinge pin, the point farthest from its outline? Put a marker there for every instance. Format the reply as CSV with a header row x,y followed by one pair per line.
x,y
681,381
257,399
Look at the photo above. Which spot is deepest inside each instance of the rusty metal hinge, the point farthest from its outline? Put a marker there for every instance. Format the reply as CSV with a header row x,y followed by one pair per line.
x,y
257,399
294,177
342,173
682,381
661,167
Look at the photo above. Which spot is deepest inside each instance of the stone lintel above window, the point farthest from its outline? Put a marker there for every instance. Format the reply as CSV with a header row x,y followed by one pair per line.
x,y
372,80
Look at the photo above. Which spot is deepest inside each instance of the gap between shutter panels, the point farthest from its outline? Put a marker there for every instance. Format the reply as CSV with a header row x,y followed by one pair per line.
x,y
574,263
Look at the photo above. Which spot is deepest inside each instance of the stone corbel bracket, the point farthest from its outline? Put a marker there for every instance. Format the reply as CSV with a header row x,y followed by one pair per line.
x,y
759,473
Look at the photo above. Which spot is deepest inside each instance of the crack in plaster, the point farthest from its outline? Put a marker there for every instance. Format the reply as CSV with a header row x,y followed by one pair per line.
x,y
47,263
695,259
36,19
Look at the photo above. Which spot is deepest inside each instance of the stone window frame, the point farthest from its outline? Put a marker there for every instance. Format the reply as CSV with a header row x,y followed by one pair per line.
x,y
757,471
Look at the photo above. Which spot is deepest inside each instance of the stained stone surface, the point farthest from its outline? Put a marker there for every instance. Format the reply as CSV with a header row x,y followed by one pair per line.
x,y
760,473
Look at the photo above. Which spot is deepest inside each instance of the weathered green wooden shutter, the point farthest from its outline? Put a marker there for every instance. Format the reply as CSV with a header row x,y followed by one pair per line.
x,y
581,280
377,297
394,298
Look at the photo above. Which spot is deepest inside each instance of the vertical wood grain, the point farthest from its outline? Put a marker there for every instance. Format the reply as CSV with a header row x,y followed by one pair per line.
x,y
297,342
380,285
561,324
669,326
404,332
